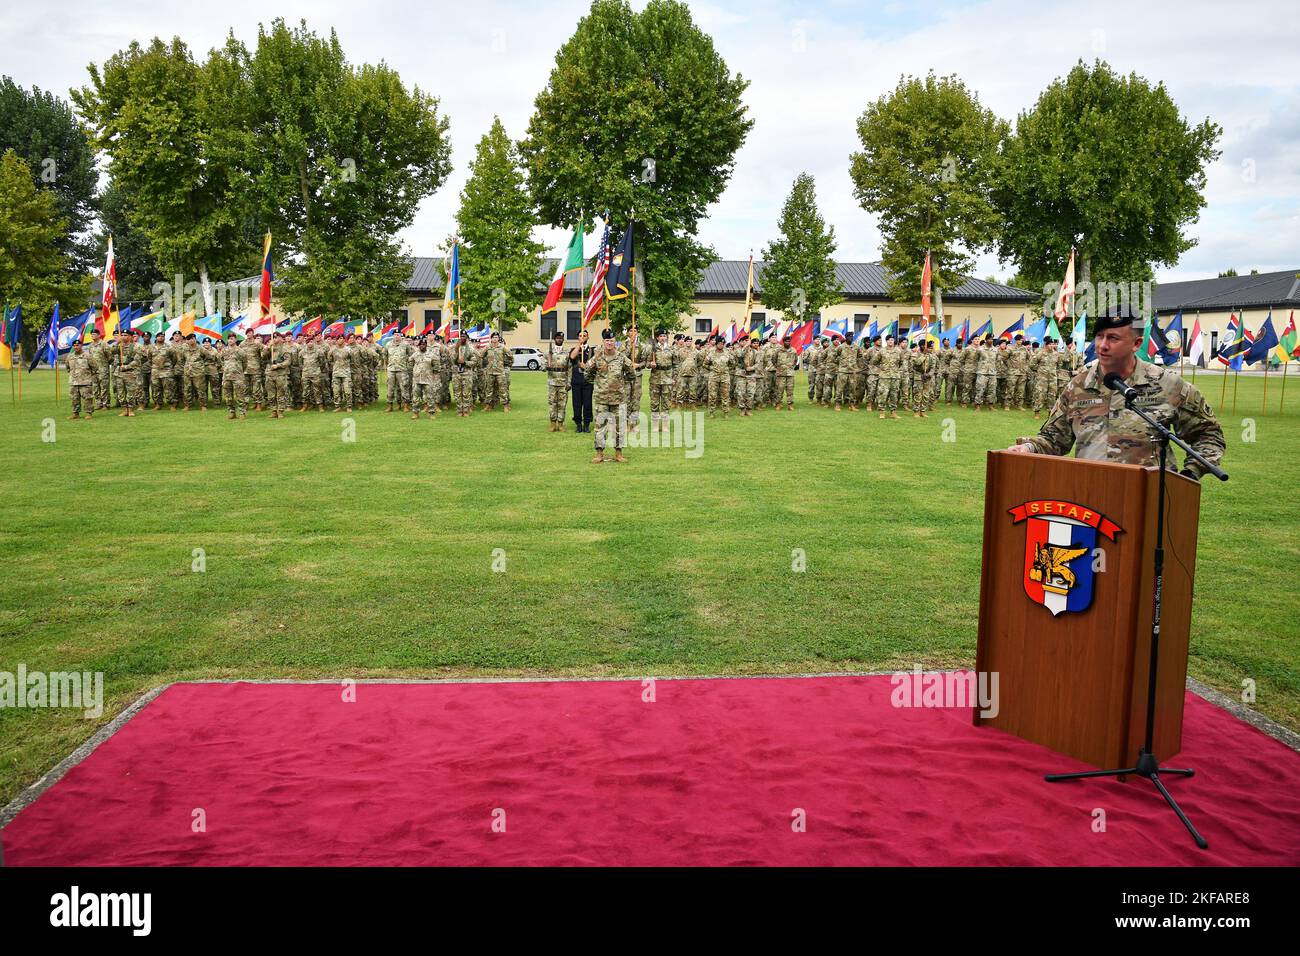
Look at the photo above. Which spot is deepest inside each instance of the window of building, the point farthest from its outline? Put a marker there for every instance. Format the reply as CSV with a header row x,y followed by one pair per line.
x,y
573,323
703,326
1214,343
432,320
548,325
757,321
401,318
860,322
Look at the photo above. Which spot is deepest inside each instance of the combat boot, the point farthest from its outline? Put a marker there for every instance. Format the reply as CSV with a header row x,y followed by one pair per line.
x,y
598,458
618,456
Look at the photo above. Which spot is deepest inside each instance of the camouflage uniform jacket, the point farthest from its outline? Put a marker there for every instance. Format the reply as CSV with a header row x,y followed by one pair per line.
x,y
663,357
609,375
1094,420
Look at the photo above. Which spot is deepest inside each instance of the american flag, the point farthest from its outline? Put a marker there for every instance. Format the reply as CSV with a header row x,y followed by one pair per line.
x,y
597,297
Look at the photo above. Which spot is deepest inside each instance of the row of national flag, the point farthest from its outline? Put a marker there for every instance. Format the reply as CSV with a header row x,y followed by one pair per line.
x,y
1238,347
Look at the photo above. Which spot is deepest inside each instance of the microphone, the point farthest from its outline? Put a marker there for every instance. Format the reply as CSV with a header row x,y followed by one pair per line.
x,y
1113,380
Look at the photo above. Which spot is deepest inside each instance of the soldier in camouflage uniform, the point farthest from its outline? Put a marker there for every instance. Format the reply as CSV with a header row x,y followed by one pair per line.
x,y
891,365
717,369
1044,376
280,358
921,364
748,364
234,380
1002,365
662,362
128,370
1017,368
785,358
399,358
341,386
874,353
686,373
254,356
81,381
844,371
467,358
969,364
828,370
1070,362
639,352
313,372
811,358
195,374
986,375
952,374
425,364
557,380
100,364
1096,422
610,372
212,370
496,360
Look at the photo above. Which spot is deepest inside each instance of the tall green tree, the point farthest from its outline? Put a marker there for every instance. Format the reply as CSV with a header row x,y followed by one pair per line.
x,y
799,268
34,269
500,262
150,109
44,132
337,159
137,270
641,116
927,169
1105,164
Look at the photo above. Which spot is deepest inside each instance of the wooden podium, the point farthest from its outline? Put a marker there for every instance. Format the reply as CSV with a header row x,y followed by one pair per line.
x,y
1073,666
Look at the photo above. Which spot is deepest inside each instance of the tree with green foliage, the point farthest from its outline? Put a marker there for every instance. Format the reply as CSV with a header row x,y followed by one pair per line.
x,y
640,116
336,158
34,269
500,262
150,110
137,270
799,268
1104,164
927,169
43,131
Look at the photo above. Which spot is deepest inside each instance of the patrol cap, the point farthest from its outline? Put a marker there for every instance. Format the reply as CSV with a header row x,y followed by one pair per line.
x,y
1120,317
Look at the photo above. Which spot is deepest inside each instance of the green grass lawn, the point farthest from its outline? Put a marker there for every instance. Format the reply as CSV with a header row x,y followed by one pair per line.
x,y
375,558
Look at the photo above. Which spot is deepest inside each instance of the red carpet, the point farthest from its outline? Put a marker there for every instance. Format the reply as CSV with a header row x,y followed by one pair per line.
x,y
587,773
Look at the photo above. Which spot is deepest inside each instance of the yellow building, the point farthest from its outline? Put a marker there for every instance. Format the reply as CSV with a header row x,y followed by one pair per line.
x,y
720,300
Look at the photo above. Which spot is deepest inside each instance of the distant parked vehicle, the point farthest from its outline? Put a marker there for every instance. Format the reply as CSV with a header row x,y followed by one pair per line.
x,y
527,357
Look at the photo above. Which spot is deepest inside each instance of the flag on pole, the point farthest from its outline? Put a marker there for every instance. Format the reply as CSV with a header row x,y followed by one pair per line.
x,y
1172,351
749,292
1009,333
571,260
596,296
622,267
925,287
10,336
1265,342
837,329
109,294
1234,344
986,329
1036,331
801,337
208,328
264,294
47,343
1287,346
1079,334
451,297
311,328
1066,295
1196,346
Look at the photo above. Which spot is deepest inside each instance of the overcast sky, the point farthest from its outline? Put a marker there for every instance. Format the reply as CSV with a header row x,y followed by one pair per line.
x,y
813,67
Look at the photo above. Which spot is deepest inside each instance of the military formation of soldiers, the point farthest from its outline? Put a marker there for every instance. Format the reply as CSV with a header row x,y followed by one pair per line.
x,y
279,373
887,375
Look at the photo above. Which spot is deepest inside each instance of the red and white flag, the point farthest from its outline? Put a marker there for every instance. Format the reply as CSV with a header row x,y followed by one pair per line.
x,y
1196,346
1067,291
102,323
596,299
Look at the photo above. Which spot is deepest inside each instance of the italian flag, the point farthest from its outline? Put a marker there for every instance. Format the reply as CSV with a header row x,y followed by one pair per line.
x,y
571,261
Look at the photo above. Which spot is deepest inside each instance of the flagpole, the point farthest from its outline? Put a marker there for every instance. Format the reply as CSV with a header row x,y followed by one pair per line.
x,y
1265,384
1281,405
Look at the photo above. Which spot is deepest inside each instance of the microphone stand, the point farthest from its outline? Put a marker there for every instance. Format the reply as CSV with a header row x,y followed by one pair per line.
x,y
1147,765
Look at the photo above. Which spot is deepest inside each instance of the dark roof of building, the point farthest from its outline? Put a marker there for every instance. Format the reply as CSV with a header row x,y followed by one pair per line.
x,y
861,280
1231,292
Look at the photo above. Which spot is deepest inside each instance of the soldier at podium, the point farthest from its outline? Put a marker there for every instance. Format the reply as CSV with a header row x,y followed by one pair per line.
x,y
1094,420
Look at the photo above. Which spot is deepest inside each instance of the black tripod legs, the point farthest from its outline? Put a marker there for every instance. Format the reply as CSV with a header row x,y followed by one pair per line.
x,y
1146,767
